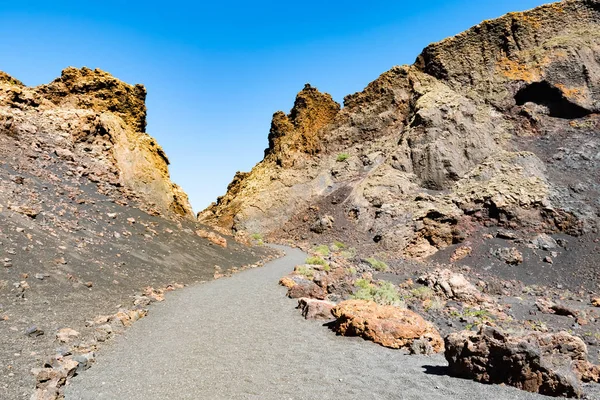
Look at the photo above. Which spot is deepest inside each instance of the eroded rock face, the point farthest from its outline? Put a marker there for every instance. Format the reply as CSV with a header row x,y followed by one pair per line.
x,y
97,123
496,126
389,326
550,364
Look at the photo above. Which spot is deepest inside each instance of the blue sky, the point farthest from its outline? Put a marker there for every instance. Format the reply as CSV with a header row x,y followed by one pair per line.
x,y
217,71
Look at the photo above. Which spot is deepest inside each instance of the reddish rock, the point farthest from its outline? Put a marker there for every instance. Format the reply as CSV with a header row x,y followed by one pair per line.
x,y
316,309
461,253
306,288
212,237
287,282
389,326
551,364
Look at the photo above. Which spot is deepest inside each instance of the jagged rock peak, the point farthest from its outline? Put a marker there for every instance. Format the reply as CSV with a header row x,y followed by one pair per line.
x,y
299,130
7,79
100,91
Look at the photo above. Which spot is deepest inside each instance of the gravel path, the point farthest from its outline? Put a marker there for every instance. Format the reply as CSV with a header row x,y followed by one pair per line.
x,y
241,338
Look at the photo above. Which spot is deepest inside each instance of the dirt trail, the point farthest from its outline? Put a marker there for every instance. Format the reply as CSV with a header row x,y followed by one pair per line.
x,y
240,338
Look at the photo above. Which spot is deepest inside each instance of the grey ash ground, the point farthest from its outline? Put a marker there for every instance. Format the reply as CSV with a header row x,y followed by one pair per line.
x,y
69,254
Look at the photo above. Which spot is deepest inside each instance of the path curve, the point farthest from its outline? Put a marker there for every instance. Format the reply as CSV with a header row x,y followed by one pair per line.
x,y
241,338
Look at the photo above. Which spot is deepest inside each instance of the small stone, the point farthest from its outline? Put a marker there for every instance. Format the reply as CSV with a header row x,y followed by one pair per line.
x,y
65,335
34,331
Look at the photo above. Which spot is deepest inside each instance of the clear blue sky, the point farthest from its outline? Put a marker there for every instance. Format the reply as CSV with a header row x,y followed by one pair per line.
x,y
217,71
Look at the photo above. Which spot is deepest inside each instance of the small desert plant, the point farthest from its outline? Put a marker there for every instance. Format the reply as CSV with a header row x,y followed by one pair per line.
x,y
349,253
322,250
304,271
434,304
342,157
384,293
351,271
469,312
387,294
377,264
422,293
315,261
339,245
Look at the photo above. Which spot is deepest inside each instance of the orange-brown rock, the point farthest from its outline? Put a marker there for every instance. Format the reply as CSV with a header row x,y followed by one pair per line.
x,y
98,123
389,326
212,237
287,282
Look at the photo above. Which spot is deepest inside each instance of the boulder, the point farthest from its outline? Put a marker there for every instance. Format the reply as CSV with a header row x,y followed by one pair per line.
x,y
509,255
316,309
552,364
322,224
453,286
389,326
306,288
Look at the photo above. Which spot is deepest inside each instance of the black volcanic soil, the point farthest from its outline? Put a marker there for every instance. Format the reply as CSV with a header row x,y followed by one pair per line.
x,y
69,254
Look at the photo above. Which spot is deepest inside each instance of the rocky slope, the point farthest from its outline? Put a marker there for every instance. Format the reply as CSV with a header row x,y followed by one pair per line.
x,y
496,127
97,124
92,230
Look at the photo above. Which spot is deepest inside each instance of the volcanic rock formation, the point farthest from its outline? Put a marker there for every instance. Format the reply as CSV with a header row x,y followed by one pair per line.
x,y
497,126
93,119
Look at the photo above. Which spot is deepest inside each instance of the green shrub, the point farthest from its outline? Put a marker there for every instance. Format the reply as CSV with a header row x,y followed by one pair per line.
x,y
339,245
349,253
257,236
384,293
315,261
322,250
342,157
365,290
305,271
387,294
377,264
422,293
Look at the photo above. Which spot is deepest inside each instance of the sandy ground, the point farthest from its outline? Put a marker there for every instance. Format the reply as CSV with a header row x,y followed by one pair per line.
x,y
241,338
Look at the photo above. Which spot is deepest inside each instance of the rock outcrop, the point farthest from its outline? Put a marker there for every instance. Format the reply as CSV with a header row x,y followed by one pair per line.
x,y
550,364
497,126
96,123
388,326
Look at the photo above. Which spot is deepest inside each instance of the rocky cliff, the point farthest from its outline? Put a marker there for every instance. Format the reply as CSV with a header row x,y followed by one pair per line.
x,y
496,127
97,124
